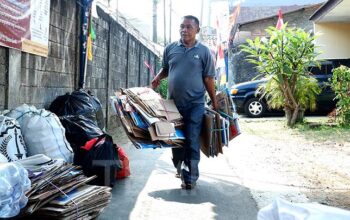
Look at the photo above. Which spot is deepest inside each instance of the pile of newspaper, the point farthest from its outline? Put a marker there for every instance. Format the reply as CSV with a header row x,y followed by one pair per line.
x,y
59,191
149,120
219,127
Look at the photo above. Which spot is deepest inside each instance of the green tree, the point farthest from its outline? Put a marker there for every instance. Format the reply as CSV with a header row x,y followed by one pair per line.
x,y
284,57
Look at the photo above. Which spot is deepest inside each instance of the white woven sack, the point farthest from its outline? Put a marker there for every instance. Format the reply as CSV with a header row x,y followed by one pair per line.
x,y
12,146
43,132
281,209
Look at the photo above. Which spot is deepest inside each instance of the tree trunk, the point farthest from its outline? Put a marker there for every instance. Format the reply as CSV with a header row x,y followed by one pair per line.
x,y
294,116
300,117
288,116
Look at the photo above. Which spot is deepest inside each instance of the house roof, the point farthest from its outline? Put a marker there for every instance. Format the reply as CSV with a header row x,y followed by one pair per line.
x,y
300,8
248,14
333,11
285,9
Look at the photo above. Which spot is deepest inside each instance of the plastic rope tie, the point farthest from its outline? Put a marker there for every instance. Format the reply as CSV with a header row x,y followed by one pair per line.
x,y
162,103
75,205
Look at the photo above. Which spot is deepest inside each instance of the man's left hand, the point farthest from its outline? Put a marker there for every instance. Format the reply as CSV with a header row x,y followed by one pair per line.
x,y
215,105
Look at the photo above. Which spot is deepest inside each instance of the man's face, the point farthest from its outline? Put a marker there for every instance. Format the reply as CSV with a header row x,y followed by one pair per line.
x,y
188,30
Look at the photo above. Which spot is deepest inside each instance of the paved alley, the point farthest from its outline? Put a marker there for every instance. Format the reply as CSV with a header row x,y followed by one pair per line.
x,y
153,192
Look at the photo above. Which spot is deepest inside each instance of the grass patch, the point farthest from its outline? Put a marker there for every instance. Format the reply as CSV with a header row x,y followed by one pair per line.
x,y
323,131
313,129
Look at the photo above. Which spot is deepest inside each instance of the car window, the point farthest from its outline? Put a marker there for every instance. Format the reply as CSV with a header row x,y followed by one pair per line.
x,y
323,79
327,66
325,69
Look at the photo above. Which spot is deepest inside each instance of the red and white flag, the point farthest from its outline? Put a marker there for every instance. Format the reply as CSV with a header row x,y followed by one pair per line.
x,y
220,50
280,20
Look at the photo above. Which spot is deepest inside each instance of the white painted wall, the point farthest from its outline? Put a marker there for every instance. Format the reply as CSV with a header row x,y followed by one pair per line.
x,y
333,40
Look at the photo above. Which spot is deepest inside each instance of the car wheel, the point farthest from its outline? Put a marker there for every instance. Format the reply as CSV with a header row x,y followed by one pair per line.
x,y
255,108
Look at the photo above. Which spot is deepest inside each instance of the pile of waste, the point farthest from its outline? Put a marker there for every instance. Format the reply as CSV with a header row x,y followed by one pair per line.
x,y
47,157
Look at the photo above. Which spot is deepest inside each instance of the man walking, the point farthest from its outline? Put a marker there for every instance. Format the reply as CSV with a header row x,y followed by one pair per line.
x,y
189,66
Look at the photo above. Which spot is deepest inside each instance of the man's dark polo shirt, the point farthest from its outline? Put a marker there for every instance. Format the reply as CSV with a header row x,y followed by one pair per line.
x,y
187,68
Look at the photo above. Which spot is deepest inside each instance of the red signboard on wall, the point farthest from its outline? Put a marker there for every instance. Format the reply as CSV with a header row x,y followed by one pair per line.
x,y
24,25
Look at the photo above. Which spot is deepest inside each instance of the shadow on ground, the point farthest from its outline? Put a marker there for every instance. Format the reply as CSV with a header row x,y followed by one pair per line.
x,y
126,191
153,192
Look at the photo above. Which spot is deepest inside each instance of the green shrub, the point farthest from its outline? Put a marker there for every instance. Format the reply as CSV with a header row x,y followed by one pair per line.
x,y
340,83
163,88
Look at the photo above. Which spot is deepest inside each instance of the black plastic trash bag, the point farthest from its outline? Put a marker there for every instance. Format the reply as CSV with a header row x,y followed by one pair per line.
x,y
79,130
79,102
100,159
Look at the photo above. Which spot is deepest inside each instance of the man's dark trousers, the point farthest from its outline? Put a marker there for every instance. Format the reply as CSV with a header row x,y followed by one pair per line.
x,y
192,116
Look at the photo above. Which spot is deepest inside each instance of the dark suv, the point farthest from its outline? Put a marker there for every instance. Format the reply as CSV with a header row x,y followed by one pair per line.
x,y
246,101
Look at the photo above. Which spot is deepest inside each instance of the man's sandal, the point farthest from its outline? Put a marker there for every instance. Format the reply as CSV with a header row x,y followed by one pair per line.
x,y
188,186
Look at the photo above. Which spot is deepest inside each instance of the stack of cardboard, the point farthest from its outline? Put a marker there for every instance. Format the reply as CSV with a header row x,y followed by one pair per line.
x,y
49,184
228,111
148,120
219,127
85,202
58,190
211,139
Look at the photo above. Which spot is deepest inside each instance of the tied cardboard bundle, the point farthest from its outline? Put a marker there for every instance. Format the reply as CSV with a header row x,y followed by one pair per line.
x,y
219,128
149,120
59,190
85,202
49,184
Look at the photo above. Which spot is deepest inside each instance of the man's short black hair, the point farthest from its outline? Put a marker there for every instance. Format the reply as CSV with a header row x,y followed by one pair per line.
x,y
195,19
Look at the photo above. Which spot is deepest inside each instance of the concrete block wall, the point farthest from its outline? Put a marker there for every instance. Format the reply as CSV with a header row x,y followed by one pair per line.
x,y
97,69
118,65
145,74
133,63
3,76
118,58
45,78
118,62
243,70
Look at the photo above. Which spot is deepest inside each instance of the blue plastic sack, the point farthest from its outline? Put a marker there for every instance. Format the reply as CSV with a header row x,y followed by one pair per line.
x,y
14,182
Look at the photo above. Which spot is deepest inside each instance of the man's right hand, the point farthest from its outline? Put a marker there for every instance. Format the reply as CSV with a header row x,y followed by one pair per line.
x,y
155,82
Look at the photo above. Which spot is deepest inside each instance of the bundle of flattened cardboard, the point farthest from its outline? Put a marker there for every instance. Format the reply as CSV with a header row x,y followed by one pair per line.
x,y
59,191
219,127
148,120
